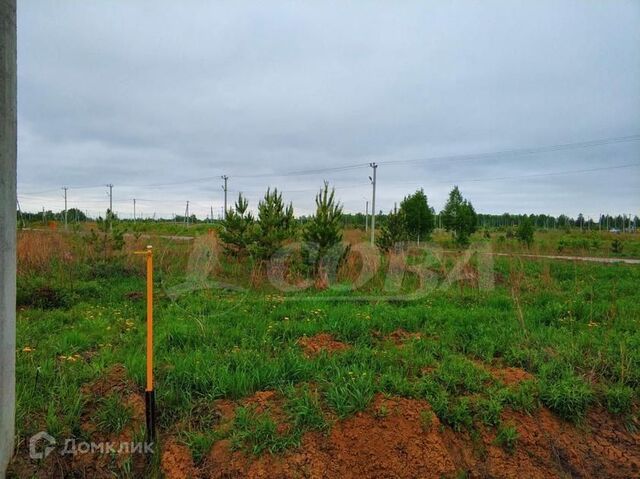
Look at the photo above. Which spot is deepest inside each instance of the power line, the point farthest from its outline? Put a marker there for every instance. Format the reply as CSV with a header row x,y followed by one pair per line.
x,y
265,175
558,173
496,154
519,151
532,175
463,157
306,172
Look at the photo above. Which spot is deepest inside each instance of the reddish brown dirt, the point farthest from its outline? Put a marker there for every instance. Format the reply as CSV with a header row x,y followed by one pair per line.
x,y
603,449
262,400
395,437
313,345
402,438
271,403
226,410
400,336
176,462
509,376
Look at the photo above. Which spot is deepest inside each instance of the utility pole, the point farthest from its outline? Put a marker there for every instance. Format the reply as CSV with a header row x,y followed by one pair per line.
x,y
65,206
20,213
110,186
186,215
8,226
211,214
225,178
134,209
366,216
373,203
110,215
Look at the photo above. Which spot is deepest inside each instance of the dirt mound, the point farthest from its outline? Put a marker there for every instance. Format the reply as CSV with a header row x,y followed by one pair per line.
x,y
395,437
545,443
313,345
262,400
176,461
88,462
509,376
400,336
402,438
115,380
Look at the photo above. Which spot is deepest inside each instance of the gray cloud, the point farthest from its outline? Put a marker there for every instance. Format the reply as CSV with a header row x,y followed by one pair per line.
x,y
145,93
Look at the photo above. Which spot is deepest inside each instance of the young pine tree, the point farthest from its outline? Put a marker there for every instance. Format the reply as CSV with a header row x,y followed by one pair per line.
x,y
108,243
275,224
418,216
525,232
323,232
394,232
236,228
459,217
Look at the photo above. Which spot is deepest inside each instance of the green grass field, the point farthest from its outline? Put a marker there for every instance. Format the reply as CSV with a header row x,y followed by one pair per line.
x,y
571,328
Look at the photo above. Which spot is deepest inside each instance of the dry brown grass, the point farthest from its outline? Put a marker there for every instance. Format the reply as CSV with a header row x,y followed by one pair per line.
x,y
354,236
37,251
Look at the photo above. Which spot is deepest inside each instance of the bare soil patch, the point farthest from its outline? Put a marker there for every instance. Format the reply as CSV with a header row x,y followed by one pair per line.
x,y
400,336
509,376
176,461
313,345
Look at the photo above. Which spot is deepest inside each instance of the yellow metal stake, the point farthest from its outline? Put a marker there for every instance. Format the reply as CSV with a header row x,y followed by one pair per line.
x,y
149,318
149,393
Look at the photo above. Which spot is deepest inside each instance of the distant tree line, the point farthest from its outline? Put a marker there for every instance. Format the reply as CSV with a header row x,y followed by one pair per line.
x,y
73,215
417,210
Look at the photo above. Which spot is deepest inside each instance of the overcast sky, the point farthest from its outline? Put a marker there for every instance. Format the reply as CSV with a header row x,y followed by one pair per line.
x,y
149,93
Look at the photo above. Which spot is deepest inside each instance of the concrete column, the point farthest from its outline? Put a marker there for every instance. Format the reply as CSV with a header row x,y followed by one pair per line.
x,y
8,153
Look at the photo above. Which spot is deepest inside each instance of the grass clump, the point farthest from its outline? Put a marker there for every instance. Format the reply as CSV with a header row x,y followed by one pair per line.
x,y
459,375
199,443
488,411
568,396
460,414
258,432
618,399
305,410
350,391
112,414
523,397
507,437
426,419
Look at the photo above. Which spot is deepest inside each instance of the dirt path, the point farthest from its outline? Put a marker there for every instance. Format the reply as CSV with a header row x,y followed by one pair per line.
x,y
590,259
586,259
